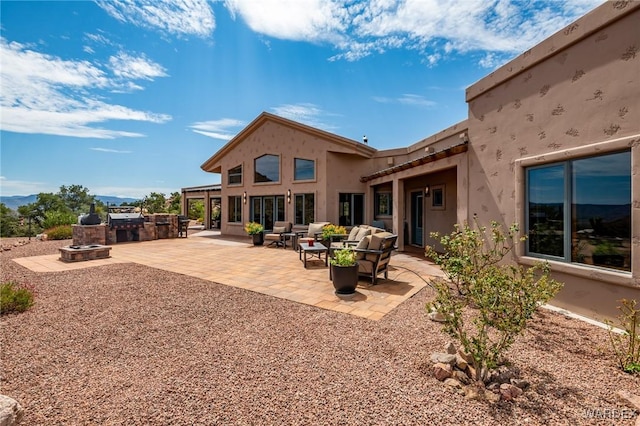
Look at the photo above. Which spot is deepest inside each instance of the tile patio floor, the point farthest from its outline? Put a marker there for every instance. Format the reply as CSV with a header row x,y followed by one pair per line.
x,y
268,270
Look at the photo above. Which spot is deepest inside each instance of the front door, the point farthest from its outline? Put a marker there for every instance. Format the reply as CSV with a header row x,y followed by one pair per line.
x,y
417,217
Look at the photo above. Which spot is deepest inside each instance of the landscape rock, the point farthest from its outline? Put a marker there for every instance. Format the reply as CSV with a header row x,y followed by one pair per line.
x,y
465,356
522,384
436,316
442,371
11,412
461,376
461,363
453,383
509,392
451,348
443,358
472,393
492,397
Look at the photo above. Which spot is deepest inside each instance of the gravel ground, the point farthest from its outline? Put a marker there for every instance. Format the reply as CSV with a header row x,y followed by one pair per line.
x,y
131,345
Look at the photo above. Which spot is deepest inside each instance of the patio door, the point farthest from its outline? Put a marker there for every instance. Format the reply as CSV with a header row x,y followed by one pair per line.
x,y
417,218
268,209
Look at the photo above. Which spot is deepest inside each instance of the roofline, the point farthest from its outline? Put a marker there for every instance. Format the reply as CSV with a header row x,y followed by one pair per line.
x,y
573,33
212,187
358,147
448,152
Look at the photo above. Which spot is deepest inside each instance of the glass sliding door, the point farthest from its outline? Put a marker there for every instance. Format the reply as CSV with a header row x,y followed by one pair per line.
x,y
267,210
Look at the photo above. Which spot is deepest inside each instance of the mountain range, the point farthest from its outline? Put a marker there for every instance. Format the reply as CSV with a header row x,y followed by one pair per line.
x,y
15,201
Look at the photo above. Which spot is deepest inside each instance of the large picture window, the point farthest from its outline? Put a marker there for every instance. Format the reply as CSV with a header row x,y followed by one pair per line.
x,y
304,169
234,175
267,169
305,209
235,209
580,211
351,209
384,204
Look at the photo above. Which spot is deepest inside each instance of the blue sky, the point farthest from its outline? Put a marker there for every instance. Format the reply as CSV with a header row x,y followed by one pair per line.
x,y
130,97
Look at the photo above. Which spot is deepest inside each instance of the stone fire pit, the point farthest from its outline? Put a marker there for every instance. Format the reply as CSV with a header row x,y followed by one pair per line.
x,y
79,253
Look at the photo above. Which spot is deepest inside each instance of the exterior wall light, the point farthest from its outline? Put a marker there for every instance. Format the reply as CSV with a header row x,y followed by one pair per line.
x,y
244,197
427,191
288,196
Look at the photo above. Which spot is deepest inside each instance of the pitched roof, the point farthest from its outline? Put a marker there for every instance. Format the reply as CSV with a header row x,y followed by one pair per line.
x,y
355,147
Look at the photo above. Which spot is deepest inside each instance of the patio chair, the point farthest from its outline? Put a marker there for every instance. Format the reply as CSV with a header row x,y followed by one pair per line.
x,y
313,232
373,254
356,235
276,235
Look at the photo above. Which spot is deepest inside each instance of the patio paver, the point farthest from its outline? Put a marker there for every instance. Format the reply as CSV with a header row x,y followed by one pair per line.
x,y
267,270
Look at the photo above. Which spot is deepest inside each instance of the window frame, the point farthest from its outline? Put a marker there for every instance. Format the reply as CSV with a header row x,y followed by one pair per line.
x,y
235,174
569,189
255,170
295,170
235,206
377,204
306,219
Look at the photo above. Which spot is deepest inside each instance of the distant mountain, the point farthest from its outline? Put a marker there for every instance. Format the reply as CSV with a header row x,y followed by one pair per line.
x,y
15,201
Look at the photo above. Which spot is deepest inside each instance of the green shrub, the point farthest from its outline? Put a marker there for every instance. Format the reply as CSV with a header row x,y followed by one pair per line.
x,y
15,298
486,302
344,257
53,219
253,228
626,346
331,229
62,232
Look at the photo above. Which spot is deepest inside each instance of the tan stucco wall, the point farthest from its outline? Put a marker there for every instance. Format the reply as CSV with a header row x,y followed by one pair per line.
x,y
334,172
582,98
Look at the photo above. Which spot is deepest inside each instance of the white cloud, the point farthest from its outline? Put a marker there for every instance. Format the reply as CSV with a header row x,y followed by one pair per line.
x,y
406,99
306,113
435,28
41,93
218,129
126,66
115,151
311,20
178,17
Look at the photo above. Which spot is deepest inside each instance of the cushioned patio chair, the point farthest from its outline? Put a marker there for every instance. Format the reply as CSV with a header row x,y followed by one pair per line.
x,y
373,254
313,232
276,235
356,235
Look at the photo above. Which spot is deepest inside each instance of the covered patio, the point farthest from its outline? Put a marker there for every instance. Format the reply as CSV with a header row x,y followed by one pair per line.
x,y
268,270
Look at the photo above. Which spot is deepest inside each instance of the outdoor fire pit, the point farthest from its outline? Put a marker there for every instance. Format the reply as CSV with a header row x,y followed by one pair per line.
x,y
79,253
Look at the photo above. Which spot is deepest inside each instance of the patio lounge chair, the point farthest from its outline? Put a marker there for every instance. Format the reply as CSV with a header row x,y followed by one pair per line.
x,y
276,235
373,254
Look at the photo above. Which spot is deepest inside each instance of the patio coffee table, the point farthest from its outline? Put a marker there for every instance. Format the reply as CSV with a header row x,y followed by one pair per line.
x,y
315,250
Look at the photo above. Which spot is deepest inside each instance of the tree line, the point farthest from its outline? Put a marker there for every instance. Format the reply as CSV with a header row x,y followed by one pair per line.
x,y
67,205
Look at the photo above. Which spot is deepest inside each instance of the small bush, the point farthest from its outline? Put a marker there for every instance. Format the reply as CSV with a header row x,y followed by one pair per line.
x,y
53,219
331,229
253,228
62,232
15,298
500,298
626,346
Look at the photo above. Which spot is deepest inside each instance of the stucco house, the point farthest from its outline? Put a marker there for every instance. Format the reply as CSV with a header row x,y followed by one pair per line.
x,y
552,141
